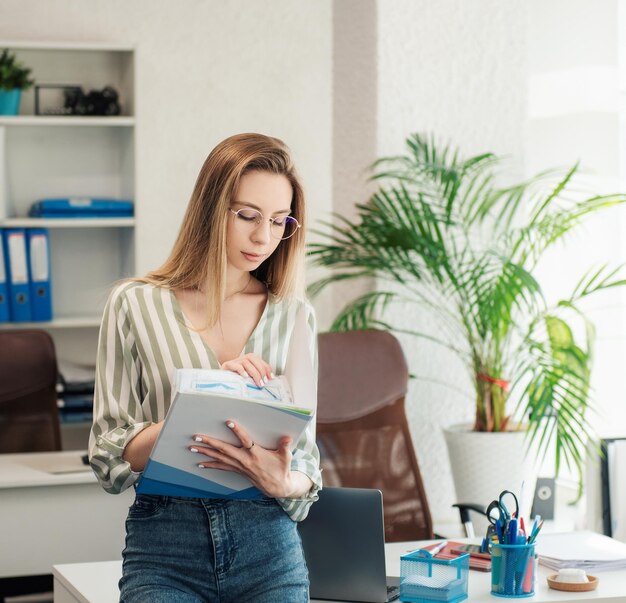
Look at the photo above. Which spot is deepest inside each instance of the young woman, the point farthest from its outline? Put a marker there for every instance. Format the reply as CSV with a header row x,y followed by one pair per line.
x,y
227,297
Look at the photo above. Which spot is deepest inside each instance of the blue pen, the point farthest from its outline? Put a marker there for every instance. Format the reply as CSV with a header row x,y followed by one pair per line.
x,y
512,532
535,533
499,531
535,524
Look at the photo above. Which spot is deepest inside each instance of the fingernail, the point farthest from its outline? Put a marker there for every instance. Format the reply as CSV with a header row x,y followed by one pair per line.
x,y
193,449
197,439
230,424
202,466
264,380
272,375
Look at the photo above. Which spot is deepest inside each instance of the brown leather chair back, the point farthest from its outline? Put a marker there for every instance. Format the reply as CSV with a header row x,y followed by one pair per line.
x,y
362,430
29,417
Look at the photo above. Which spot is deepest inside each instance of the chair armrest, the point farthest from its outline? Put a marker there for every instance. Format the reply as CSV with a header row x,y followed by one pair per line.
x,y
464,511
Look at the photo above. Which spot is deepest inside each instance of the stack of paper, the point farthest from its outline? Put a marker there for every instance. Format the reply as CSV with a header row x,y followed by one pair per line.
x,y
584,550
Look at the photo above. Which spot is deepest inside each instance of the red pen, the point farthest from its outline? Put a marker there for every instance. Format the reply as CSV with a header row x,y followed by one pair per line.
x,y
521,524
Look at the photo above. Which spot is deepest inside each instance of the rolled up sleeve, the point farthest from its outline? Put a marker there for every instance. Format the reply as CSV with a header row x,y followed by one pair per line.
x,y
118,415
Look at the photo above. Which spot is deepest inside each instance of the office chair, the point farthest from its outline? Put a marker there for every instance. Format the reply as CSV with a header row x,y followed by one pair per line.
x,y
362,430
29,417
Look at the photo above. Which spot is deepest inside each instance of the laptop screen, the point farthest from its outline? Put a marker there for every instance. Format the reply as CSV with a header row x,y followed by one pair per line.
x,y
344,545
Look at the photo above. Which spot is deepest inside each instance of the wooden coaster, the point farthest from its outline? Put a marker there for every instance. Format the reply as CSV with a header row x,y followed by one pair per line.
x,y
578,587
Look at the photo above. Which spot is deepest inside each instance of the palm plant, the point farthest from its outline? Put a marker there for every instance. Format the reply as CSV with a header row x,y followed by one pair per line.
x,y
440,233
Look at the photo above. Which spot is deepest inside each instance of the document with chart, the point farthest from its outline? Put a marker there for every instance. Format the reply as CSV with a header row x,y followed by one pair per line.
x,y
203,401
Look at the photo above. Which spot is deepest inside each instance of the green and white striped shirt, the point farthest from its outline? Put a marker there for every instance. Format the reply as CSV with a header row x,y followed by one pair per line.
x,y
144,337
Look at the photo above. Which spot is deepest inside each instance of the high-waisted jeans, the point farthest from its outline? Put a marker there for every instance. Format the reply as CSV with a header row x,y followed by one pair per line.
x,y
190,550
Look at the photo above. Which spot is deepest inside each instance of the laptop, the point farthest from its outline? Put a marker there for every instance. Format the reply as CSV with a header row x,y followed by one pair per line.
x,y
343,539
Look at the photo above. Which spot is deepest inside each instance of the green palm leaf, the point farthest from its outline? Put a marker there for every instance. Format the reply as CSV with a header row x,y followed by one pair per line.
x,y
463,249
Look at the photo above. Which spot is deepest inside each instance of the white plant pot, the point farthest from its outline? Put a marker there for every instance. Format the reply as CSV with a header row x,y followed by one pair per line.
x,y
483,464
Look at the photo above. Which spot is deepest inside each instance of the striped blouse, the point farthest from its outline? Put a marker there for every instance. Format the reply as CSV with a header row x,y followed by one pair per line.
x,y
143,337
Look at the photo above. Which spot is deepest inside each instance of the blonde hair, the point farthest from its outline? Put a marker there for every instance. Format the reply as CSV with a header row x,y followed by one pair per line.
x,y
198,257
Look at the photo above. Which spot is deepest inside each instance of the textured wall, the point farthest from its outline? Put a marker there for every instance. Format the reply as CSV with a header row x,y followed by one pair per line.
x,y
343,82
355,102
205,70
456,69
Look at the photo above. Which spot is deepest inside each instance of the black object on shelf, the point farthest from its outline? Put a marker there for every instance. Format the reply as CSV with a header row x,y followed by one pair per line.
x,y
609,514
54,99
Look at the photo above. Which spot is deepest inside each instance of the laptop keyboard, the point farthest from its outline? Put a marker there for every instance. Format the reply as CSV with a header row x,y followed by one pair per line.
x,y
393,593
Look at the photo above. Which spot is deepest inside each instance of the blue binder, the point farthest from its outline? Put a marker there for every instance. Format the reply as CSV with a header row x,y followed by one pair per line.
x,y
39,273
172,470
81,208
4,289
17,274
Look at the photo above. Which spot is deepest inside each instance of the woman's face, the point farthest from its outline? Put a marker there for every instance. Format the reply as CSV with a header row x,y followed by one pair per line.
x,y
248,244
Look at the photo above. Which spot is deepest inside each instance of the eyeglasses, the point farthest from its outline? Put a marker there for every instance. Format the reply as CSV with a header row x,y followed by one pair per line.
x,y
282,227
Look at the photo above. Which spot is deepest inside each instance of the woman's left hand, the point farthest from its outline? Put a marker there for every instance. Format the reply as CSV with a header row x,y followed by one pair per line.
x,y
269,470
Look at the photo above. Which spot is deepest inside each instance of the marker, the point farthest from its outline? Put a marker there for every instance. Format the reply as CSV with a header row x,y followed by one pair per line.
x,y
433,551
438,548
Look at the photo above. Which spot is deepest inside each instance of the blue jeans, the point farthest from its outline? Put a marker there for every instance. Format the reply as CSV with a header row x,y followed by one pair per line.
x,y
190,550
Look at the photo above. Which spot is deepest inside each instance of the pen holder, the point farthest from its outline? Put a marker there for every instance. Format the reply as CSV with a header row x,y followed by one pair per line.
x,y
513,570
424,578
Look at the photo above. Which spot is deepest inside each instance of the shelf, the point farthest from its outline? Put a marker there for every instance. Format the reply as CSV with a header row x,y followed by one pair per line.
x,y
67,120
77,156
77,322
95,46
67,223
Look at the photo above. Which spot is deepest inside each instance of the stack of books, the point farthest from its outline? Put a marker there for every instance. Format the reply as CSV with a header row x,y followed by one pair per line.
x,y
75,393
451,550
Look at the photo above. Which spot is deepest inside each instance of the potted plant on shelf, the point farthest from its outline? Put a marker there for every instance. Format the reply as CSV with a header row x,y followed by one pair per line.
x,y
442,235
14,77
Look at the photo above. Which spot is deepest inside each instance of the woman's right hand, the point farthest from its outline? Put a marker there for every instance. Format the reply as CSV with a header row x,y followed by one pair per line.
x,y
250,365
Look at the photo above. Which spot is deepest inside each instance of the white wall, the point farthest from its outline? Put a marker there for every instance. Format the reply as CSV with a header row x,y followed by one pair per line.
x,y
456,69
344,82
575,112
205,70
534,82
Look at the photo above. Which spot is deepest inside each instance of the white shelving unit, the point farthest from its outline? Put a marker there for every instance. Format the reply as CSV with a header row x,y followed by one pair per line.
x,y
47,156
68,223
66,120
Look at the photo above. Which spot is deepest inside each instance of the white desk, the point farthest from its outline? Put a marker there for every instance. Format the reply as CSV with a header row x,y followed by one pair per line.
x,y
97,582
48,518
